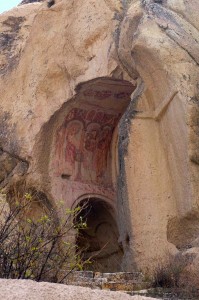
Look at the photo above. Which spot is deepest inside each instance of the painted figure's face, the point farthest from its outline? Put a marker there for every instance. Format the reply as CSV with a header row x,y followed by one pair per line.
x,y
90,140
105,134
73,129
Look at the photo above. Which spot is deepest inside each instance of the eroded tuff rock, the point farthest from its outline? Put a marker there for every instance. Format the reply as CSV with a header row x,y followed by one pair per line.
x,y
30,1
101,100
11,166
27,289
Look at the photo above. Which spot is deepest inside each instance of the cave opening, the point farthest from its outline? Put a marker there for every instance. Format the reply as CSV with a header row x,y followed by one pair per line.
x,y
99,240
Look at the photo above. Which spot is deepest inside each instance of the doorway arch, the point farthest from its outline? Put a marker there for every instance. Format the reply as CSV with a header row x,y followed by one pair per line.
x,y
99,241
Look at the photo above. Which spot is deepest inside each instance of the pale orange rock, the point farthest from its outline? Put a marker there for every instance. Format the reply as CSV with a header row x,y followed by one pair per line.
x,y
99,103
30,290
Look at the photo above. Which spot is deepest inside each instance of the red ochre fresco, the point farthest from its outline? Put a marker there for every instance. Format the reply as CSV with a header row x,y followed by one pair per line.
x,y
101,95
82,147
83,158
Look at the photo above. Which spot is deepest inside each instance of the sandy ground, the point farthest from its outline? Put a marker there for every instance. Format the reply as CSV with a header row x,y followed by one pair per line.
x,y
30,290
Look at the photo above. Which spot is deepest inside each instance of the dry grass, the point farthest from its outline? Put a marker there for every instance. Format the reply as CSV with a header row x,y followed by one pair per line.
x,y
176,275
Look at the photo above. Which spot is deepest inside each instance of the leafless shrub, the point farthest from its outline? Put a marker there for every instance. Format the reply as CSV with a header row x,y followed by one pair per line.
x,y
37,248
167,274
174,275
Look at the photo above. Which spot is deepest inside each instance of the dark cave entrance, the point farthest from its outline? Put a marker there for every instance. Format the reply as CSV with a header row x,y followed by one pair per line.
x,y
99,241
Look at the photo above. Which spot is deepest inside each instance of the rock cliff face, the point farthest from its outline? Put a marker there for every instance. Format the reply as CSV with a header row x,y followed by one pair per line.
x,y
100,103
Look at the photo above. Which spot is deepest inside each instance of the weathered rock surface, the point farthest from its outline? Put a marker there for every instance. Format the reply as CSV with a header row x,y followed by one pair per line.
x,y
121,281
30,290
10,166
101,101
30,1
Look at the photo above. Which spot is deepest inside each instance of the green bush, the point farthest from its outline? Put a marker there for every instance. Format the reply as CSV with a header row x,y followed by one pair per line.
x,y
37,248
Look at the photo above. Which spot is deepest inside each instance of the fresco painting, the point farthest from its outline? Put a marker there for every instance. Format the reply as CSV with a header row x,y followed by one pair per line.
x,y
82,148
72,145
101,95
83,160
102,152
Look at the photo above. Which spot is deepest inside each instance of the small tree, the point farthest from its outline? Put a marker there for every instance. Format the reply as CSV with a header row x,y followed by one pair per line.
x,y
37,248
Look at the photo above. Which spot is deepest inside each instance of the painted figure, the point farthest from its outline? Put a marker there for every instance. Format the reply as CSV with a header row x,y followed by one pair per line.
x,y
82,146
73,151
90,145
102,153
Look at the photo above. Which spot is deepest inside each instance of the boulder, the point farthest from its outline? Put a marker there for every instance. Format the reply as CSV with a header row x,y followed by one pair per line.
x,y
30,290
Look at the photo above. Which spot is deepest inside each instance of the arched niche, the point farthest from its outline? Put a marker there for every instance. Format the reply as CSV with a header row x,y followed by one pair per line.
x,y
80,143
83,151
99,240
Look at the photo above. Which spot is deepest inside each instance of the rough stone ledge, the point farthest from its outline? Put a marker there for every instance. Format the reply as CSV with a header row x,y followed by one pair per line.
x,y
138,276
11,289
120,281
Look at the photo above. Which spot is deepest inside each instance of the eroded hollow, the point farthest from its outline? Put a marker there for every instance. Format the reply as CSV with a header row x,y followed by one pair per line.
x,y
184,232
99,241
84,139
35,204
82,158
